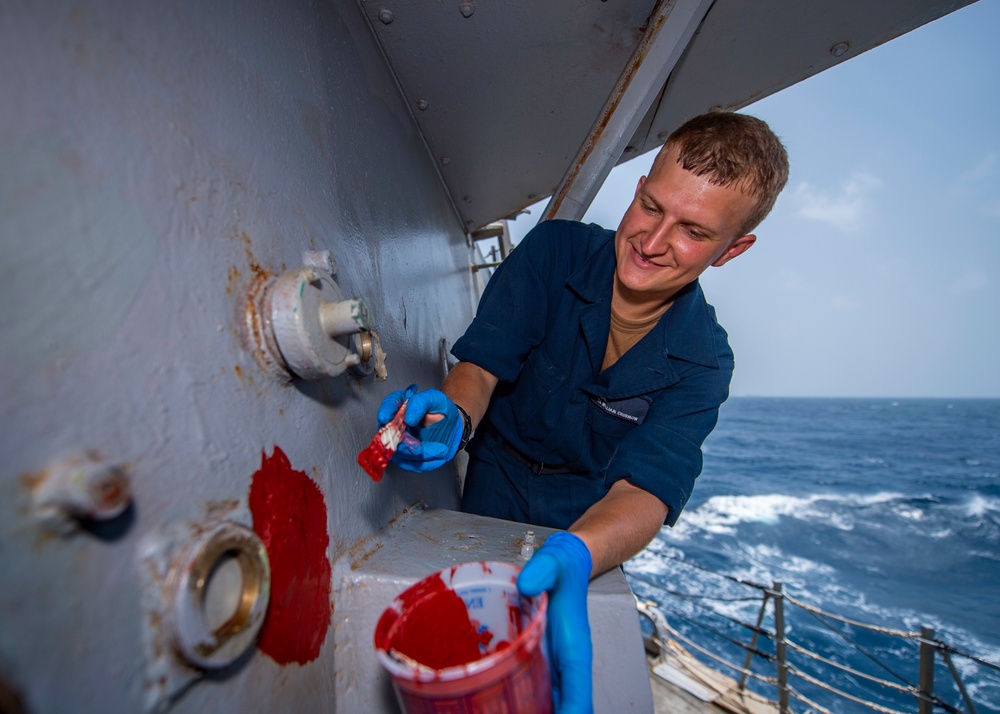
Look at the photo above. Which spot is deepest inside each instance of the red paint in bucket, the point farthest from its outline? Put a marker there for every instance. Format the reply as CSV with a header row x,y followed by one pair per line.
x,y
464,640
438,633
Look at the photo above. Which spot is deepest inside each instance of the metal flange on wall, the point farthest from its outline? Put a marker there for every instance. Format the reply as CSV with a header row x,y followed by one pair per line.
x,y
301,325
205,591
78,489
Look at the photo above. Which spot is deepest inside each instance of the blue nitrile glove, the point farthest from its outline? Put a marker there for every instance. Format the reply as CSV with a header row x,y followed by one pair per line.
x,y
433,445
390,405
562,567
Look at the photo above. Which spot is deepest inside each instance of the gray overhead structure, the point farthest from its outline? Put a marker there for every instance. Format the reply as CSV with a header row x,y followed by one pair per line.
x,y
506,93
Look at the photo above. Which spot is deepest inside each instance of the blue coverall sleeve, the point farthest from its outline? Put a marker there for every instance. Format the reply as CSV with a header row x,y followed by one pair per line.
x,y
510,319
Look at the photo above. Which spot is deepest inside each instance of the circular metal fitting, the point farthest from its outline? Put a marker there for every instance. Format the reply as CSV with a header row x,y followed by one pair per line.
x,y
315,329
221,585
385,16
81,488
364,346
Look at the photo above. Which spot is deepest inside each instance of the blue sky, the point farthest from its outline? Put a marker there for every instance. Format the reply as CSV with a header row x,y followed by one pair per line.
x,y
878,273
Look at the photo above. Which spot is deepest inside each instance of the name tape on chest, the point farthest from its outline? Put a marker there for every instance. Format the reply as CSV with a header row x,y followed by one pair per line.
x,y
633,409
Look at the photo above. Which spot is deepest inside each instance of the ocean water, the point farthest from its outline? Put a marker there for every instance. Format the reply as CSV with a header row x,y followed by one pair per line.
x,y
882,511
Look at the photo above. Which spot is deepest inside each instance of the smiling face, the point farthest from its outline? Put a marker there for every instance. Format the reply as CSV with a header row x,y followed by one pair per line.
x,y
677,225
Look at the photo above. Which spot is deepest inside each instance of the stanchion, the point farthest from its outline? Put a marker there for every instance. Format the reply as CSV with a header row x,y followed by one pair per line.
x,y
779,645
926,670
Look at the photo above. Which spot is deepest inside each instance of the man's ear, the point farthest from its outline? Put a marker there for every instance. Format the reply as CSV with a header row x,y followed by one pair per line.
x,y
738,247
642,180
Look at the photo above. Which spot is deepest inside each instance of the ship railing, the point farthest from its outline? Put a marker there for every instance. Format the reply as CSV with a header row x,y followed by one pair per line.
x,y
789,660
492,245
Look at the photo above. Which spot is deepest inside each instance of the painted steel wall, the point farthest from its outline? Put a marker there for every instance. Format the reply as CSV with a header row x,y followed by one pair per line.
x,y
154,159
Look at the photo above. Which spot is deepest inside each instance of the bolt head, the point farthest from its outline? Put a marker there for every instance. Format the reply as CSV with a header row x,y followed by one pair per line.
x,y
840,49
385,15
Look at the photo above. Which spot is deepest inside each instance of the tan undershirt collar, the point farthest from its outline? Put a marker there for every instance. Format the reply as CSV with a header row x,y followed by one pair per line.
x,y
624,334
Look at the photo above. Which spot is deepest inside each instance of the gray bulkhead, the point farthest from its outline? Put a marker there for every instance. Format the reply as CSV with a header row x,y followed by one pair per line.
x,y
157,159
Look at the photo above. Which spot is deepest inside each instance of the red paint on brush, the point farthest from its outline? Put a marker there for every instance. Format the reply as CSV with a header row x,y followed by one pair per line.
x,y
437,632
375,458
289,515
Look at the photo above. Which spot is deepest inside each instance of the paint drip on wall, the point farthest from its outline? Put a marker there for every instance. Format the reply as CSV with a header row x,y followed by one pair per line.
x,y
289,515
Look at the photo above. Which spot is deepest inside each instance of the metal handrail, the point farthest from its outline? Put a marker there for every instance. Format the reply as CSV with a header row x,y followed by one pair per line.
x,y
721,660
844,668
928,644
857,700
854,623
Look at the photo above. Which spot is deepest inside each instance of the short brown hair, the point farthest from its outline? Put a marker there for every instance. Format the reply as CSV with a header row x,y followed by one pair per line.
x,y
733,150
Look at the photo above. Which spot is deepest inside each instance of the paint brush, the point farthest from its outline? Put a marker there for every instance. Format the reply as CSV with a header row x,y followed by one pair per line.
x,y
376,456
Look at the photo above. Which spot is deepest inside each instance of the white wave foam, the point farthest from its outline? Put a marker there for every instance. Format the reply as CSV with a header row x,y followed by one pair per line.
x,y
766,554
910,513
723,514
654,558
978,506
985,554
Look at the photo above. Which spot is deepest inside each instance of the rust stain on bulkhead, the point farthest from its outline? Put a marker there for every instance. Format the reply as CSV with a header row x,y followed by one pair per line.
x,y
358,561
232,280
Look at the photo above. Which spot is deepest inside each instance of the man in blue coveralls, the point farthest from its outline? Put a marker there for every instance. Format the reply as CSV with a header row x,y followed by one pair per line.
x,y
594,370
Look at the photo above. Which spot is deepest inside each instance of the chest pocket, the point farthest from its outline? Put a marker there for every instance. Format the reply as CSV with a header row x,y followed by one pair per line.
x,y
619,416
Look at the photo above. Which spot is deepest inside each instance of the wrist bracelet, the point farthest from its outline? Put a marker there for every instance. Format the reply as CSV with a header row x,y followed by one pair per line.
x,y
466,427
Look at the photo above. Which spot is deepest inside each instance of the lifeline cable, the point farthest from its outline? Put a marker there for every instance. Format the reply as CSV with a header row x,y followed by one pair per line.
x,y
931,697
844,668
720,660
861,649
802,698
939,644
731,640
873,628
818,614
945,647
684,596
792,669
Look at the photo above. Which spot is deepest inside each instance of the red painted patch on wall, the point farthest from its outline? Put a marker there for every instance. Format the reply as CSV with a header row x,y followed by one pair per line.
x,y
289,515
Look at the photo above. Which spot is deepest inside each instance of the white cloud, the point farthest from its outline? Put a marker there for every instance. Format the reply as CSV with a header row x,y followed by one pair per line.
x,y
843,209
971,281
842,302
